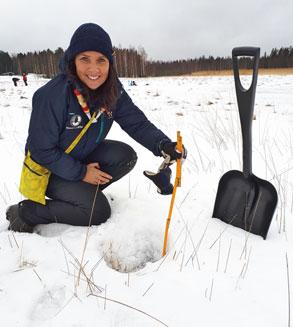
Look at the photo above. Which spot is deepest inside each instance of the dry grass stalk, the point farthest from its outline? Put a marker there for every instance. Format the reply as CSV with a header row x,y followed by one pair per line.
x,y
191,240
96,266
291,199
289,295
211,290
198,152
219,237
219,256
206,293
148,289
105,298
135,191
87,233
98,288
21,256
228,256
184,248
174,255
131,307
240,275
129,186
6,189
247,263
9,241
248,232
14,238
186,195
194,253
77,265
89,281
66,304
66,261
40,279
3,198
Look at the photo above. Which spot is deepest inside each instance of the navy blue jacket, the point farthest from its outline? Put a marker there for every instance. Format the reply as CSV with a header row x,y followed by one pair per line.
x,y
57,119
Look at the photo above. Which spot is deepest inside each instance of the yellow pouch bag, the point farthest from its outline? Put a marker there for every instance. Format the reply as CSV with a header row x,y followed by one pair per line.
x,y
34,180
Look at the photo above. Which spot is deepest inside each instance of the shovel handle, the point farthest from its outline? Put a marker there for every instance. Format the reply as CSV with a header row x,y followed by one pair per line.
x,y
245,100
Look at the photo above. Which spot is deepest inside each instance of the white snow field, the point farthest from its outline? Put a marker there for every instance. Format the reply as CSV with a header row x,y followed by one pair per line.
x,y
113,275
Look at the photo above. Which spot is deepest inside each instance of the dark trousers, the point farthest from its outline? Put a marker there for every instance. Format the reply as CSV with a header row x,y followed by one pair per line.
x,y
72,202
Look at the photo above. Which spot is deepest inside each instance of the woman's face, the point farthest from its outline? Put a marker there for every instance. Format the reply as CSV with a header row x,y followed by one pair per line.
x,y
92,68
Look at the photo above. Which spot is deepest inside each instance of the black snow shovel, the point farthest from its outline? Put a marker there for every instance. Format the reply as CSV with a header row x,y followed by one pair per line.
x,y
244,200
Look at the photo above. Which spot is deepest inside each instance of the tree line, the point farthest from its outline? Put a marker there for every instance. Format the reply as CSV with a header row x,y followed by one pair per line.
x,y
133,62
129,62
278,58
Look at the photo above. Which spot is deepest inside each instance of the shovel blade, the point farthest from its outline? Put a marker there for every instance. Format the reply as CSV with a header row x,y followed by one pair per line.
x,y
246,202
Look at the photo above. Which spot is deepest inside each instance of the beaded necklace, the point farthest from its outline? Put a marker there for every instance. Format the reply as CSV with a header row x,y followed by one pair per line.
x,y
85,107
82,103
86,110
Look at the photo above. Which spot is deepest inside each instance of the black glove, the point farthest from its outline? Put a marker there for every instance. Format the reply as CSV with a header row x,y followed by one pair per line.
x,y
161,180
168,149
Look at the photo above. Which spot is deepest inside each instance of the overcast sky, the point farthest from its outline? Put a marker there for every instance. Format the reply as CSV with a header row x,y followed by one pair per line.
x,y
167,29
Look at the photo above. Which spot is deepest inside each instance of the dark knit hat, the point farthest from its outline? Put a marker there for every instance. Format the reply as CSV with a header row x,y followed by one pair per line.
x,y
90,37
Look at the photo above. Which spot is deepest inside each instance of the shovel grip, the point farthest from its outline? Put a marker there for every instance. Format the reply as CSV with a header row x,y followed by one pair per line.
x,y
245,100
245,51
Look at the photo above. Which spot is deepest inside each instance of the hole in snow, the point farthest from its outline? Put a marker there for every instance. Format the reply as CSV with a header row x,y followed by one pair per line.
x,y
131,251
129,241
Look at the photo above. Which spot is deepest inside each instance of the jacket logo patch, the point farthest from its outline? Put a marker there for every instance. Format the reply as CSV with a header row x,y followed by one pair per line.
x,y
75,121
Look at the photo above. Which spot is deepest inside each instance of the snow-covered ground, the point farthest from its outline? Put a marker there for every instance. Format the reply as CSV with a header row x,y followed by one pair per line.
x,y
213,274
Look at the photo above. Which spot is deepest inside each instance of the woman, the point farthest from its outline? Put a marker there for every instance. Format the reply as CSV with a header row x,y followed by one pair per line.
x,y
61,108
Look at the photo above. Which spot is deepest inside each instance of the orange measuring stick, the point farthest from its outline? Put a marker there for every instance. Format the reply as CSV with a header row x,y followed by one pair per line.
x,y
177,183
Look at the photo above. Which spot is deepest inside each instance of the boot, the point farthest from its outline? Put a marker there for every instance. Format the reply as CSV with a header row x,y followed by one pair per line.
x,y
16,224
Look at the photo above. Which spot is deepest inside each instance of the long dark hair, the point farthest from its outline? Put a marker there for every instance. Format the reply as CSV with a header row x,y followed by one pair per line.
x,y
106,94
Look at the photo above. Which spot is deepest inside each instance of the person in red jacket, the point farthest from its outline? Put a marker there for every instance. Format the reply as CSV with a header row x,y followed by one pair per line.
x,y
24,78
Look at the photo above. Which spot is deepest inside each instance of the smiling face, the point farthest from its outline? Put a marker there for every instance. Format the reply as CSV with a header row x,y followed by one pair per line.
x,y
92,68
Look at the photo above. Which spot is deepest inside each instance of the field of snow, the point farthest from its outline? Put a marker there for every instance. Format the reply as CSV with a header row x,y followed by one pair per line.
x,y
213,274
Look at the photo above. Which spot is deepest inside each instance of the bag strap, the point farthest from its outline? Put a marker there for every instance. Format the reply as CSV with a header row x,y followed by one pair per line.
x,y
95,115
83,131
91,118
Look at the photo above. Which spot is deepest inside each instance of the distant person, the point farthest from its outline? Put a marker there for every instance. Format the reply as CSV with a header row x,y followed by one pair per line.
x,y
24,78
87,87
15,80
131,83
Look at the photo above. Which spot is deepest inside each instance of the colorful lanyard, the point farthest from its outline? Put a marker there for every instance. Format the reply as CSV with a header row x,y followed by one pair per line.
x,y
96,115
85,107
83,103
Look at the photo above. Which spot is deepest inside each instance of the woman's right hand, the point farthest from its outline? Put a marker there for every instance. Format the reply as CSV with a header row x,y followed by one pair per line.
x,y
96,176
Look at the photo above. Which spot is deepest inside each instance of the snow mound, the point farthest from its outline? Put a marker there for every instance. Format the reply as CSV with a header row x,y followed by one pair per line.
x,y
133,250
128,245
